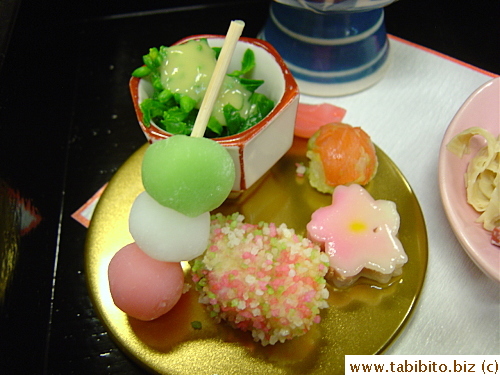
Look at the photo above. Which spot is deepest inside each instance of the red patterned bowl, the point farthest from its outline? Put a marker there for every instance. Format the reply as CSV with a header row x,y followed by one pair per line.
x,y
257,149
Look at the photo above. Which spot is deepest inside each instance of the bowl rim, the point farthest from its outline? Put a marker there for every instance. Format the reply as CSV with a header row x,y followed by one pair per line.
x,y
291,90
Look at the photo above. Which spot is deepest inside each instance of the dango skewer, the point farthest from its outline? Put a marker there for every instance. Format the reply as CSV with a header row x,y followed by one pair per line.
x,y
185,177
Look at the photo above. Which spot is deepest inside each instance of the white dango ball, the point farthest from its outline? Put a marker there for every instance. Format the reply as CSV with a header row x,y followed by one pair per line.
x,y
165,234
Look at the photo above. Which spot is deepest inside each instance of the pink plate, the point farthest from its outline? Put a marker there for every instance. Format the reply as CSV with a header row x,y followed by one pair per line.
x,y
481,109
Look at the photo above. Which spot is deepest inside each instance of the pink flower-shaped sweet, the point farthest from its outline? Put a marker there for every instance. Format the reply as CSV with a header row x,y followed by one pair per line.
x,y
358,232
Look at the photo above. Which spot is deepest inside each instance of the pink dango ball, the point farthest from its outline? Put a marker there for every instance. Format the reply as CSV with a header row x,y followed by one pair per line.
x,y
143,287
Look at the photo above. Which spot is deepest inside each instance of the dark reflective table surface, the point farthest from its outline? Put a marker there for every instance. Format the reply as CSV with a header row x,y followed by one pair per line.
x,y
67,124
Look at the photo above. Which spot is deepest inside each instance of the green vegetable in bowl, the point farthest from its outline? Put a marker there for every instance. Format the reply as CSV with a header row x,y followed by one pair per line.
x,y
180,75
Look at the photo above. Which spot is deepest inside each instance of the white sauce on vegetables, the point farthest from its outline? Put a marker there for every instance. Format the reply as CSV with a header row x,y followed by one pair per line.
x,y
188,69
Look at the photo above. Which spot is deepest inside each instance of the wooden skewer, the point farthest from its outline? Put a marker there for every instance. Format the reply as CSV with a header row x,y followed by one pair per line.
x,y
207,105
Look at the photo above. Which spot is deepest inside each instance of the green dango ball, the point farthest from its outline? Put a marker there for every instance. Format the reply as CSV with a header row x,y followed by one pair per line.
x,y
191,175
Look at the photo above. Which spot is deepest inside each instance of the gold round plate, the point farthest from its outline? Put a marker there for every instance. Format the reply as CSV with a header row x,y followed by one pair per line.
x,y
363,319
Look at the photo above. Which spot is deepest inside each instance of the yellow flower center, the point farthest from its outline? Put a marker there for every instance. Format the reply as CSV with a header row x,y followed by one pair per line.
x,y
357,226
